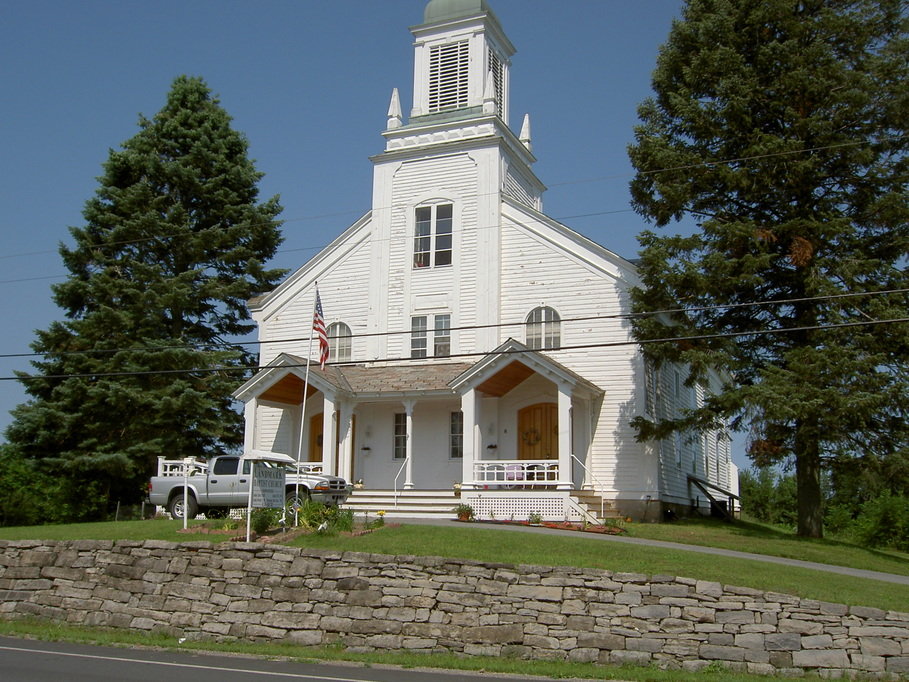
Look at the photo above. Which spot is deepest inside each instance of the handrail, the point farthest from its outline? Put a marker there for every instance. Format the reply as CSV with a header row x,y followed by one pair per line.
x,y
397,476
595,482
704,481
586,515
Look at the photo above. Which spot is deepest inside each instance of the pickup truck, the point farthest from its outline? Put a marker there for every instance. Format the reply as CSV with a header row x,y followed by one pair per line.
x,y
222,483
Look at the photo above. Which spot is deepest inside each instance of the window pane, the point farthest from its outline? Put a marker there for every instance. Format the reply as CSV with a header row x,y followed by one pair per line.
x,y
533,334
442,336
422,242
543,328
418,337
339,341
400,437
456,449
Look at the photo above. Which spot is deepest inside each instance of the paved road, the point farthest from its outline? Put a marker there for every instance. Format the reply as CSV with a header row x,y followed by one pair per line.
x,y
33,661
844,570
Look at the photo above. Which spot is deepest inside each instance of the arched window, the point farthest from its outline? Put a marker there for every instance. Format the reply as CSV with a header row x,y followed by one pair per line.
x,y
543,329
339,342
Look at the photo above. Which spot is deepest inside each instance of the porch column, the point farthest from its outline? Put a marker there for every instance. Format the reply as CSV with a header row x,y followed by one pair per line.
x,y
565,482
345,449
471,437
329,435
249,429
408,453
303,435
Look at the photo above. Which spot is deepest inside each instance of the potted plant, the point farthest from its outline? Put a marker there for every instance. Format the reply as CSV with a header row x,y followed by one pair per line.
x,y
464,512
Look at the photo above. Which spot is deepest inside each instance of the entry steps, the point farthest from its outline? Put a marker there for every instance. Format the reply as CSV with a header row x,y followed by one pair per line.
x,y
417,504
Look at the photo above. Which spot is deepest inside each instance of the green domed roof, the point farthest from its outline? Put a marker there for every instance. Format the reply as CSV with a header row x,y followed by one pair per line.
x,y
437,10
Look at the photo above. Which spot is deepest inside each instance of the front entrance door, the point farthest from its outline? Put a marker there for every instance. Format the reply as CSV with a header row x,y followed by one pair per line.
x,y
538,431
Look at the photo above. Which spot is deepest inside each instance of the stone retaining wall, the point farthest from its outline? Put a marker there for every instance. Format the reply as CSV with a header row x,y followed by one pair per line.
x,y
428,604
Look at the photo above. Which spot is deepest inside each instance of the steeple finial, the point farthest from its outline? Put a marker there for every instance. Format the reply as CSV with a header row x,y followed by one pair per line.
x,y
394,110
525,133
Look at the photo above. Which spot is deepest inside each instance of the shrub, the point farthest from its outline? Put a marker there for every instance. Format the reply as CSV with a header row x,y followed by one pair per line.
x,y
263,519
884,522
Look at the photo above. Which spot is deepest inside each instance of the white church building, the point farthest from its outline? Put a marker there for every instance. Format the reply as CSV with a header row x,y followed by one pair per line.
x,y
477,347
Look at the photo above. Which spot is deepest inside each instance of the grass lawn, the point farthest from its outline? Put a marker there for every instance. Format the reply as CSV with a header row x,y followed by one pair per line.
x,y
487,543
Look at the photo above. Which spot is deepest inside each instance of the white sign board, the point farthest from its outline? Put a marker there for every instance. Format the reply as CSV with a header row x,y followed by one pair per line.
x,y
268,485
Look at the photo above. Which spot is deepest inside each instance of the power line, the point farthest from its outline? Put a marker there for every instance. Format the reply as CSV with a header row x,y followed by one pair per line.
x,y
701,164
499,325
610,344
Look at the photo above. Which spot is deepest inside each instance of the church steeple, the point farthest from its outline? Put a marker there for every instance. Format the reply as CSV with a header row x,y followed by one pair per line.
x,y
461,68
461,57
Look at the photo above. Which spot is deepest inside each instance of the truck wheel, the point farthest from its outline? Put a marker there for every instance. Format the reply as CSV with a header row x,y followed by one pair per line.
x,y
175,507
291,501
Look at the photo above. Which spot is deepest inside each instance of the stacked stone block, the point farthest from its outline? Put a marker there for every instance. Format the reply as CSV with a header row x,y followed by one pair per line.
x,y
372,602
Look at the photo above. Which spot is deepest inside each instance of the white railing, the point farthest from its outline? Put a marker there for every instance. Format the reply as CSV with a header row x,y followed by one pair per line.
x,y
516,472
597,486
397,476
308,467
175,467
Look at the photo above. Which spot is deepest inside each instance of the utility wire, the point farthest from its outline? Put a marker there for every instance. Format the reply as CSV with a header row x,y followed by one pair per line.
x,y
701,164
500,325
610,344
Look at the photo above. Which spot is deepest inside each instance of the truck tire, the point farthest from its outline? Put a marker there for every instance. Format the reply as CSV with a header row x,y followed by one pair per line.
x,y
175,506
291,499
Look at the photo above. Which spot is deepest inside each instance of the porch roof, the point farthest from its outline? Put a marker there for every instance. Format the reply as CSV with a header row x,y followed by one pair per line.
x,y
283,380
511,363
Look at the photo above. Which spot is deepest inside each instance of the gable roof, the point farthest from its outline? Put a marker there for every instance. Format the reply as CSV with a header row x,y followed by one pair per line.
x,y
282,381
511,363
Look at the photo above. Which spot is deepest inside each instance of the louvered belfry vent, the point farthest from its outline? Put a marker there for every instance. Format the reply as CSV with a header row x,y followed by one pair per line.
x,y
498,78
448,76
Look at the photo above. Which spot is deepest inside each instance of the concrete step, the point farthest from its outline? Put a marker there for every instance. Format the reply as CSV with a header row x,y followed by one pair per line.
x,y
591,501
406,504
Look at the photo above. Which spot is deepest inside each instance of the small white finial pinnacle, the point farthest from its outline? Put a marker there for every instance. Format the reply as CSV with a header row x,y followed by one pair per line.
x,y
394,110
525,132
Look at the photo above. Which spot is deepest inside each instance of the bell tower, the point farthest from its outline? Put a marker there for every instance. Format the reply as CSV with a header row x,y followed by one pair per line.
x,y
461,61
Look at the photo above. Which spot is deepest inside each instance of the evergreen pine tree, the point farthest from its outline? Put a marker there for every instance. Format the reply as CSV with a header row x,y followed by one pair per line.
x,y
780,127
174,244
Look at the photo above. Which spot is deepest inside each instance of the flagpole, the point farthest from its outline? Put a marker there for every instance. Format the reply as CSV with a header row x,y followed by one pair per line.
x,y
303,414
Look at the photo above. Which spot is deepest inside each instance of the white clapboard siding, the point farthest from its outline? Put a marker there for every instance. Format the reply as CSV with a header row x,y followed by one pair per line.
x,y
344,290
534,273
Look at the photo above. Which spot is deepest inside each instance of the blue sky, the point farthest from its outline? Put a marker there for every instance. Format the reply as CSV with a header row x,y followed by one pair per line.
x,y
309,84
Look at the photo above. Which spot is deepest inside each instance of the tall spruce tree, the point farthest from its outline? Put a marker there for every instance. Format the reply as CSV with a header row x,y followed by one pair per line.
x,y
780,127
174,244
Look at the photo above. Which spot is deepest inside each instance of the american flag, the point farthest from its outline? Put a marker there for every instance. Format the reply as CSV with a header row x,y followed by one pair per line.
x,y
318,326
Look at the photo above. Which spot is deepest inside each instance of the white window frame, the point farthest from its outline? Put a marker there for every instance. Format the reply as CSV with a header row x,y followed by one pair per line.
x,y
456,435
399,442
420,332
433,236
543,329
441,336
419,336
340,341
